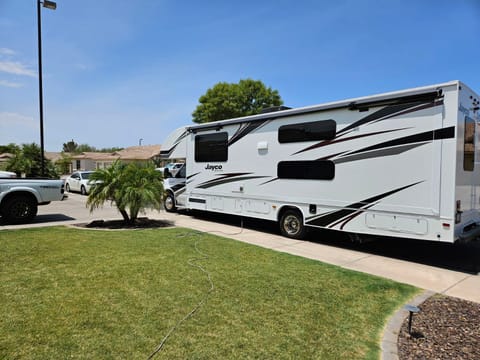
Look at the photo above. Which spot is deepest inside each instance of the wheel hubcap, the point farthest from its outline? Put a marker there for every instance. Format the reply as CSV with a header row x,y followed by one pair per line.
x,y
169,203
20,210
291,225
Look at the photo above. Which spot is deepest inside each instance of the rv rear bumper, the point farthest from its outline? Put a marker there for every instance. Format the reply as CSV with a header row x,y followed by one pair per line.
x,y
469,233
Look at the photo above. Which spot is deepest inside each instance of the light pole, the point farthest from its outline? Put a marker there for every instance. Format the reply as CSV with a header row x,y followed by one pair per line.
x,y
140,142
52,6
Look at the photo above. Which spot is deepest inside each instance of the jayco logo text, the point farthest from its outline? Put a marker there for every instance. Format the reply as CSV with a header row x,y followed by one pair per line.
x,y
213,167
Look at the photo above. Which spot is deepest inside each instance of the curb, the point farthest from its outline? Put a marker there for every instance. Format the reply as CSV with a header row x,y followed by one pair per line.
x,y
389,348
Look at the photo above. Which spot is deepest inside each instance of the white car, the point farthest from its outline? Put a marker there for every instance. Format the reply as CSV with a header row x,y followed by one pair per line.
x,y
79,181
7,174
173,168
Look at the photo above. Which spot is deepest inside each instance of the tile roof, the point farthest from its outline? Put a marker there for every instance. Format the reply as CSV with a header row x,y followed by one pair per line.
x,y
131,153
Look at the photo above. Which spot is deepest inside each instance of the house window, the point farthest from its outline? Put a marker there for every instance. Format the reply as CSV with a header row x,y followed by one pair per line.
x,y
469,144
211,147
77,165
310,131
306,170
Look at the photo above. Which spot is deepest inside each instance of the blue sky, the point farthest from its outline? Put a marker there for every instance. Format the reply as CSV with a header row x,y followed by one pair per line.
x,y
118,71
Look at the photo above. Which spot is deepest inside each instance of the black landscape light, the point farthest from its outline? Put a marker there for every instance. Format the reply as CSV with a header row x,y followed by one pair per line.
x,y
52,6
412,310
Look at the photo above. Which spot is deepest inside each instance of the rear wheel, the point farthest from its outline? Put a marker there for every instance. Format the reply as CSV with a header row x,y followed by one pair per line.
x,y
169,203
19,209
291,224
83,191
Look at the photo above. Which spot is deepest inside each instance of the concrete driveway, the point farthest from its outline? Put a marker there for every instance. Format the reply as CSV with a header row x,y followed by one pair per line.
x,y
443,268
67,212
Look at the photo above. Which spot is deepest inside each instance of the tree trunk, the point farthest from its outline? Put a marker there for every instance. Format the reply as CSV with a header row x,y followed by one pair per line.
x,y
126,219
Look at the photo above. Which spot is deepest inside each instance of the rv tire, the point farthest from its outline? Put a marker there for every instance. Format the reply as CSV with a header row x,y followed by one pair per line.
x,y
291,224
169,203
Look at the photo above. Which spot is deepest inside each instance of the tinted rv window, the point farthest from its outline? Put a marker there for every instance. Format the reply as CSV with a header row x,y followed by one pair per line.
x,y
313,170
311,131
469,144
211,147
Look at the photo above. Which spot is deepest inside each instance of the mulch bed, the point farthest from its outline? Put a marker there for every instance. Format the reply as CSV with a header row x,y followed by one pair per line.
x,y
140,223
445,328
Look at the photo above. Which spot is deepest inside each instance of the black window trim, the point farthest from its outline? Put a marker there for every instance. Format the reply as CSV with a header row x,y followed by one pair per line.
x,y
305,170
206,156
284,132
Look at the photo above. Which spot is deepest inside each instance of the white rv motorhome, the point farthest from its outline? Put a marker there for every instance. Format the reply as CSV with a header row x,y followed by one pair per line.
x,y
402,164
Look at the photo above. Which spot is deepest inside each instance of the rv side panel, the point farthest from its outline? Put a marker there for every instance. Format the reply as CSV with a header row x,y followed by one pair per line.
x,y
397,164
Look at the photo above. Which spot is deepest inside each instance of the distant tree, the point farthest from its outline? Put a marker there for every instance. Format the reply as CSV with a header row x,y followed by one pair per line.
x,y
19,164
63,164
110,150
132,188
74,148
27,160
33,153
70,147
228,100
10,148
85,148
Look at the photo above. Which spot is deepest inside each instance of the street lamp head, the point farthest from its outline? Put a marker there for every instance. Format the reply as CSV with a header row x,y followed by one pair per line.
x,y
52,5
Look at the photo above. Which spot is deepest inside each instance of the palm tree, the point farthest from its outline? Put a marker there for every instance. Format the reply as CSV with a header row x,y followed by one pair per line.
x,y
132,187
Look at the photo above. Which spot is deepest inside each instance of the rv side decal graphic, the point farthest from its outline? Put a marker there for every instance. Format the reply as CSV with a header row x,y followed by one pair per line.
x,y
389,112
245,129
333,218
167,153
177,187
396,146
334,141
226,178
380,115
360,155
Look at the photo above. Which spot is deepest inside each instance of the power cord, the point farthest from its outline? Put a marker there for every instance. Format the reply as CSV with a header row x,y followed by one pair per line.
x,y
228,234
192,262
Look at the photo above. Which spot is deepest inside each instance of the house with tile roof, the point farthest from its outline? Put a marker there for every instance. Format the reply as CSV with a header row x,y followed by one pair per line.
x,y
99,160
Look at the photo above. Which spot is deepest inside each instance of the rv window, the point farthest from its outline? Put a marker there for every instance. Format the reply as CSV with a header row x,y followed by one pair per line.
x,y
313,170
211,147
469,144
310,131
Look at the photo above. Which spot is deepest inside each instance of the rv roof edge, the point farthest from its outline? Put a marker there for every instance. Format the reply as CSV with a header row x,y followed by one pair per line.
x,y
376,98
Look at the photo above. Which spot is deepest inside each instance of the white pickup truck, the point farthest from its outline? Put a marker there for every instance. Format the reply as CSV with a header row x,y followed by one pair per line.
x,y
19,198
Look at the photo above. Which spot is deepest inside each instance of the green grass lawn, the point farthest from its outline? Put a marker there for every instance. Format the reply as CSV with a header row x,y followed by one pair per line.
x,y
86,294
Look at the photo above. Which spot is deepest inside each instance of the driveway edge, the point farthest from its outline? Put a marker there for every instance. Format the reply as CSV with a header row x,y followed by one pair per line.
x,y
392,329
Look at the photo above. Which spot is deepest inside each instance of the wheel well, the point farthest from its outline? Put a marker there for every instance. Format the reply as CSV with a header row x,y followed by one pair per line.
x,y
288,207
15,194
